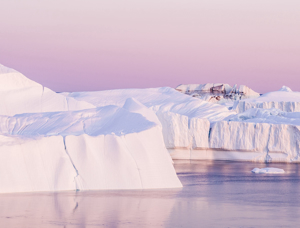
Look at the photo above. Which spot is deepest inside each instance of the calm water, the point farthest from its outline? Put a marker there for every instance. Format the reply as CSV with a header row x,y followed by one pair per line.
x,y
215,194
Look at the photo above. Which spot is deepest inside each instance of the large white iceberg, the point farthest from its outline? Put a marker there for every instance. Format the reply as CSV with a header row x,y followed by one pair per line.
x,y
120,139
108,147
268,170
195,129
103,148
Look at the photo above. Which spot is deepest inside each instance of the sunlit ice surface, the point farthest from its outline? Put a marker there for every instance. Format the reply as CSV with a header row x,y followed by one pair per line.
x,y
215,194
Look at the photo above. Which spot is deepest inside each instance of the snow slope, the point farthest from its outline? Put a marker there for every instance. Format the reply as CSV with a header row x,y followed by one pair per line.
x,y
284,99
105,148
22,95
185,120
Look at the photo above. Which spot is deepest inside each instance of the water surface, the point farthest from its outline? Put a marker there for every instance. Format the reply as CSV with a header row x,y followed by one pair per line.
x,y
215,194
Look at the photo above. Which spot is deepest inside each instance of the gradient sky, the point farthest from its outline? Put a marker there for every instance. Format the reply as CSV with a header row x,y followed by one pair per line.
x,y
76,45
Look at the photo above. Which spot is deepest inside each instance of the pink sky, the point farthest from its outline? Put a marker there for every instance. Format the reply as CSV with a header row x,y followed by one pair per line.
x,y
95,44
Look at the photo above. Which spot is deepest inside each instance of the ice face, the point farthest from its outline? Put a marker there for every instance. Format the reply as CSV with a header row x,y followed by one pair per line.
x,y
108,147
284,99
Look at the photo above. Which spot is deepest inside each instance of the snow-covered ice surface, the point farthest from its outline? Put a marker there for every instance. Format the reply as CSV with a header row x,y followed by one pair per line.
x,y
162,99
267,170
271,116
284,99
185,120
195,129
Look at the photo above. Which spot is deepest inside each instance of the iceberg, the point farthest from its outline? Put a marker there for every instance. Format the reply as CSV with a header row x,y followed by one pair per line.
x,y
284,99
50,142
103,148
126,138
267,170
195,129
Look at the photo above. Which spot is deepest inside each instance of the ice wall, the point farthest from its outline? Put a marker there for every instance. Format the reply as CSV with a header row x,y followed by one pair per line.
x,y
55,163
108,147
287,106
271,142
285,100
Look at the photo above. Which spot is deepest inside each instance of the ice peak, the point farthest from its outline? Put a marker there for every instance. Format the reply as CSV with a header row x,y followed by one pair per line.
x,y
285,89
11,79
6,70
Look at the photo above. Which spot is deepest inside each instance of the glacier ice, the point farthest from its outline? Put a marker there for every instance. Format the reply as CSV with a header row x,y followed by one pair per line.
x,y
51,142
105,148
196,129
284,99
268,170
120,139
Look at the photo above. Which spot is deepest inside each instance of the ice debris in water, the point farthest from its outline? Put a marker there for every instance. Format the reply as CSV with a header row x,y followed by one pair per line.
x,y
267,170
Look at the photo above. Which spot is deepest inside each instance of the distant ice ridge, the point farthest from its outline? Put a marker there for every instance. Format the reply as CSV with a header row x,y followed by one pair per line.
x,y
267,170
284,99
19,94
271,116
217,92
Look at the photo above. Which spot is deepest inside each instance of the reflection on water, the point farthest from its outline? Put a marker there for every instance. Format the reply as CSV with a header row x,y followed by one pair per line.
x,y
215,194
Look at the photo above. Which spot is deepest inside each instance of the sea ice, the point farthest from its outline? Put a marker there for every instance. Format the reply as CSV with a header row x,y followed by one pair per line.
x,y
267,170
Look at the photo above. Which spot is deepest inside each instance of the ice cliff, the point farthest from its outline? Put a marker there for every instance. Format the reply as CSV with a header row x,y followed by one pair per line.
x,y
104,148
284,99
48,147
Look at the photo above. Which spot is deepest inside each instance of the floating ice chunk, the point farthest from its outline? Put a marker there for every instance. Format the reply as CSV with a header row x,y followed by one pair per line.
x,y
267,170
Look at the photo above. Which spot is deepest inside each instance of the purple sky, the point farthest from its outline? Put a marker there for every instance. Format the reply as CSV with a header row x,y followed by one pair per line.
x,y
95,44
